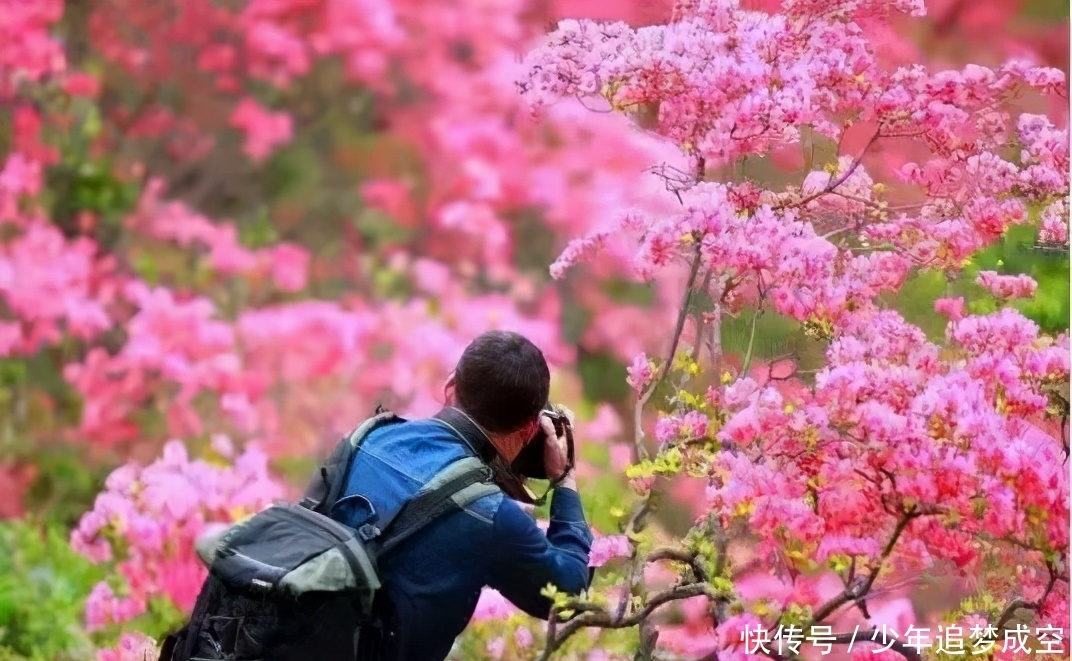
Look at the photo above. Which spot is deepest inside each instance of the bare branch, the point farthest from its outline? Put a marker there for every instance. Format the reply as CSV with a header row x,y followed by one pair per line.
x,y
751,343
686,303
859,587
679,555
1018,604
837,182
604,620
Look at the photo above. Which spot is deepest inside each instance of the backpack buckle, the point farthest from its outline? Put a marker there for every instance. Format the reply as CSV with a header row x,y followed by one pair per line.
x,y
368,532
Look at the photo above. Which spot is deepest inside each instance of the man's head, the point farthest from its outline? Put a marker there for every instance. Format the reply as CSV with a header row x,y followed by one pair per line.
x,y
502,381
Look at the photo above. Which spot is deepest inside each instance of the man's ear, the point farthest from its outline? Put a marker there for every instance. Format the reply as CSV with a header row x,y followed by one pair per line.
x,y
448,389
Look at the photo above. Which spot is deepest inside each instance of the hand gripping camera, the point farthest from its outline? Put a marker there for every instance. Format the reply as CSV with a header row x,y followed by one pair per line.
x,y
529,463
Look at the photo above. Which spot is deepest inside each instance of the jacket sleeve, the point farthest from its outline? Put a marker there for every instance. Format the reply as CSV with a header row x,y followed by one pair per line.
x,y
523,560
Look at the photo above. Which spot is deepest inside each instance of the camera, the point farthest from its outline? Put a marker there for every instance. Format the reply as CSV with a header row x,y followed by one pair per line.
x,y
529,462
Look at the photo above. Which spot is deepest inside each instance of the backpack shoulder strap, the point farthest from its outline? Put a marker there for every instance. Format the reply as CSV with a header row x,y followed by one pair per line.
x,y
327,484
460,483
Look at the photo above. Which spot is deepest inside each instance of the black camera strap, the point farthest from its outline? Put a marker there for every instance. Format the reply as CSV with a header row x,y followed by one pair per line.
x,y
510,481
510,478
468,431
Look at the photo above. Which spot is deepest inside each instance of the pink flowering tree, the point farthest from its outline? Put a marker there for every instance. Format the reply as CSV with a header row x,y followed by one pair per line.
x,y
228,230
138,263
149,308
902,457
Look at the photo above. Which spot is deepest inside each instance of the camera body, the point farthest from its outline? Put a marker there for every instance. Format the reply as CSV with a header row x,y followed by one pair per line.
x,y
529,463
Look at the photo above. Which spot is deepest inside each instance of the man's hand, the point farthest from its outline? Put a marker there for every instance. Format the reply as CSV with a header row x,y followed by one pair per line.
x,y
555,454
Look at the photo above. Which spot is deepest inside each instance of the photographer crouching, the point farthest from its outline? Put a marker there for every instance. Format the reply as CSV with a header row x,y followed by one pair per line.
x,y
496,410
386,555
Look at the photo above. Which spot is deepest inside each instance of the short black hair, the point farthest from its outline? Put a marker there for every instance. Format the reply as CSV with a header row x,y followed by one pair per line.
x,y
502,381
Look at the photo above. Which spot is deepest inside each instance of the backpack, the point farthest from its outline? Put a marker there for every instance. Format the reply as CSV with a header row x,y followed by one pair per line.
x,y
292,583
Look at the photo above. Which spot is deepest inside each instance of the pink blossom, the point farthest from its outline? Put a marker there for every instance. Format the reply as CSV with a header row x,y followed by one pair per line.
x,y
738,636
605,427
691,425
953,308
131,647
81,84
1053,227
158,511
607,548
1007,286
289,265
575,252
523,638
279,54
20,176
431,277
30,52
53,284
265,131
492,606
640,372
392,197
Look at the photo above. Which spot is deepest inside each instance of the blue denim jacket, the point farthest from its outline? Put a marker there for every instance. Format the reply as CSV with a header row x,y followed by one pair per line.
x,y
435,577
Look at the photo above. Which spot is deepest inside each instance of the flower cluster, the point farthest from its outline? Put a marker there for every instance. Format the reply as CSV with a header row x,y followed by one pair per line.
x,y
906,452
802,160
148,518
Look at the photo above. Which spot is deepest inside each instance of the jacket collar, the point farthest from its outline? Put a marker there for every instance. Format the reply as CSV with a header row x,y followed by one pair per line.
x,y
469,431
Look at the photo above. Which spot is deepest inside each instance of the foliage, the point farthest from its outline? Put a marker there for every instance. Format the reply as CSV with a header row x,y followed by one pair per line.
x,y
147,520
902,454
43,589
808,279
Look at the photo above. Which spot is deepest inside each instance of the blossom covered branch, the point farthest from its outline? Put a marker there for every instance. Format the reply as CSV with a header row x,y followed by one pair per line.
x,y
794,164
901,451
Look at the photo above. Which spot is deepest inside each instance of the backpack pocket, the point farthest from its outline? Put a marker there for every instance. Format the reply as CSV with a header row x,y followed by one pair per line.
x,y
288,550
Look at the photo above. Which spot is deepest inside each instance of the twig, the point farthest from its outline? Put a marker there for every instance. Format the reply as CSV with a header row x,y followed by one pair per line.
x,y
604,620
698,318
638,431
751,343
723,286
679,555
862,585
1017,604
636,572
837,182
841,230
619,618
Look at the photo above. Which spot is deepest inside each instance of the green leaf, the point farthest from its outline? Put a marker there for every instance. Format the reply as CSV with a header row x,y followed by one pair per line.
x,y
602,376
43,588
624,292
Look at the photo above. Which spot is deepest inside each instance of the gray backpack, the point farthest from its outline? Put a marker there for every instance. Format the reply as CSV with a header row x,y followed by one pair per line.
x,y
292,583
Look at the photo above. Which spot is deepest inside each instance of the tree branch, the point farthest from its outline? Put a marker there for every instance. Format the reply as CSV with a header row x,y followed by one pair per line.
x,y
859,587
683,313
601,617
679,555
604,620
1017,604
636,574
751,344
837,182
698,318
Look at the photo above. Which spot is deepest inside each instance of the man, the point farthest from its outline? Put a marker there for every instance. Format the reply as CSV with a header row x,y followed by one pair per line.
x,y
434,579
